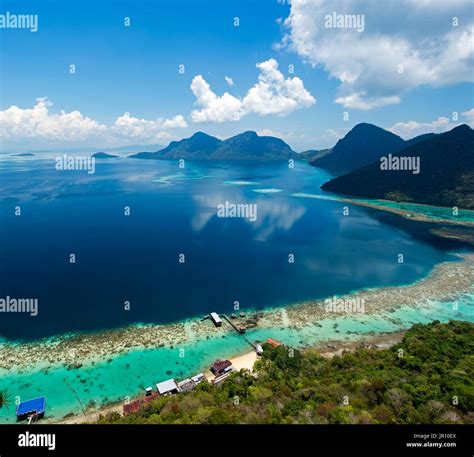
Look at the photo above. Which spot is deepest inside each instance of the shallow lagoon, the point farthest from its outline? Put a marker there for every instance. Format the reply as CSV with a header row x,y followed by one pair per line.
x,y
128,374
136,258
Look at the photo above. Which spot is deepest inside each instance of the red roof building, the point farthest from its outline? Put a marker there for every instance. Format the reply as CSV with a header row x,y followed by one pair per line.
x,y
221,366
274,343
135,405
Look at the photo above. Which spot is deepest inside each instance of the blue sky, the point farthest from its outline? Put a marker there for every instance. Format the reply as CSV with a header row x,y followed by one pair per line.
x,y
135,70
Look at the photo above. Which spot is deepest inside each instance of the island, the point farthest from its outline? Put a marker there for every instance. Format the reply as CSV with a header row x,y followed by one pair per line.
x,y
362,145
445,176
246,146
104,155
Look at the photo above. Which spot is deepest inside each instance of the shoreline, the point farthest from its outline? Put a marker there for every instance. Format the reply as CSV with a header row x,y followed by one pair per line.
x,y
241,361
445,282
247,360
411,214
103,369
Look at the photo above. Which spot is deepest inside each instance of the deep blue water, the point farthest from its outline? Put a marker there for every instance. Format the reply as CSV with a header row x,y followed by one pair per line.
x,y
135,258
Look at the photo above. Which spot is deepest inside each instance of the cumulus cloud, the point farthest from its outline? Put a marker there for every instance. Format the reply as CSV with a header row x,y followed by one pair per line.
x,y
38,122
41,123
403,45
411,129
272,94
229,80
132,127
175,122
469,116
214,108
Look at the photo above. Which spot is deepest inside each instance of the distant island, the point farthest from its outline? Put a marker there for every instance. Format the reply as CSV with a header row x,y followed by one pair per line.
x,y
245,146
103,155
364,144
23,154
361,146
445,176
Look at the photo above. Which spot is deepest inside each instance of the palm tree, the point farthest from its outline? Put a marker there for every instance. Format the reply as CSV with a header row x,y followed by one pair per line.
x,y
4,398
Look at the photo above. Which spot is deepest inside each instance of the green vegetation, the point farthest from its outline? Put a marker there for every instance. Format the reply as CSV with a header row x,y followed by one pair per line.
x,y
245,146
364,144
446,173
426,378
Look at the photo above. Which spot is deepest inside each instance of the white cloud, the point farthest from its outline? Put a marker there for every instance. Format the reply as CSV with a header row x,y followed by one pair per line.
x,y
359,100
274,133
133,127
334,134
175,122
39,123
213,108
229,80
469,116
421,38
411,129
272,94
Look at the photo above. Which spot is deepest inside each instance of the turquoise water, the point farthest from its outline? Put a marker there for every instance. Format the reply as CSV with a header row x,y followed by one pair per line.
x,y
435,213
135,259
128,374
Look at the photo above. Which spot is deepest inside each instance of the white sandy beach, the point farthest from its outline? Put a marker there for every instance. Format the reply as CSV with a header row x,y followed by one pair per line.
x,y
245,361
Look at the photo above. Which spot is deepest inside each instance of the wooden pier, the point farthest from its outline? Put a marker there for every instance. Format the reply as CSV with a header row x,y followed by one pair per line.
x,y
237,329
240,331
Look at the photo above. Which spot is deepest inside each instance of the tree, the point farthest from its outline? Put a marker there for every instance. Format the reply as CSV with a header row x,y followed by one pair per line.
x,y
4,399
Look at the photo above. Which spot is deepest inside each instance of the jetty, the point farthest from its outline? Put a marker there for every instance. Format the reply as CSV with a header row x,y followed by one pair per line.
x,y
240,329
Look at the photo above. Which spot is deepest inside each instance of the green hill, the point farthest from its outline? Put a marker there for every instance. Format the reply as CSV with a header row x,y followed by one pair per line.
x,y
245,146
446,176
415,381
361,146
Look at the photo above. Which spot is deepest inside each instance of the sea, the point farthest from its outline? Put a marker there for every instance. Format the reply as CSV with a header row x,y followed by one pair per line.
x,y
144,241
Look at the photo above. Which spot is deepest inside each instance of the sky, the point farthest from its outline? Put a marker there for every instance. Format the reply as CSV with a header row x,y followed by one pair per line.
x,y
109,73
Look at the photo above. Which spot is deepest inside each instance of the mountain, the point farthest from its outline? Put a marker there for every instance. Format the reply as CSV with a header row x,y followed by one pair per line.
x,y
103,155
312,154
199,146
361,146
417,139
245,146
250,146
445,178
